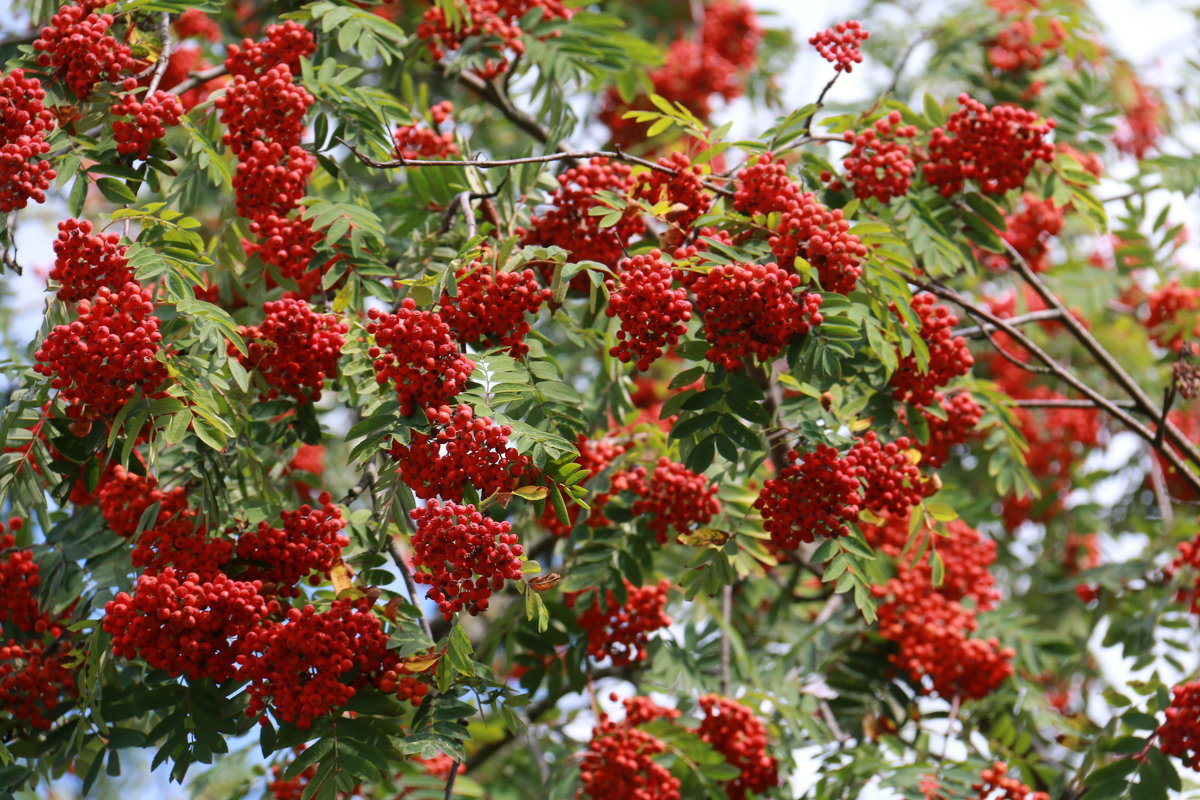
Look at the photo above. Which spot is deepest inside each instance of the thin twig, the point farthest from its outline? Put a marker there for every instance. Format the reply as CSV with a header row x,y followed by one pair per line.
x,y
450,780
1067,403
402,565
987,333
975,331
820,102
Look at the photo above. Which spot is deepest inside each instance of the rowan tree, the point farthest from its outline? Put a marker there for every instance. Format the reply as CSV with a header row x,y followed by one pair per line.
x,y
446,399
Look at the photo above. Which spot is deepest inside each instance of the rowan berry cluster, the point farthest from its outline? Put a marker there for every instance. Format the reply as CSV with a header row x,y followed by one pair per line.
x,y
295,349
1019,48
683,193
653,315
99,360
462,449
892,481
308,543
816,494
1142,126
1030,231
736,733
283,44
463,556
263,110
929,624
962,414
83,261
822,237
1056,436
622,632
491,307
24,124
33,679
184,625
124,497
416,353
1179,734
19,578
178,540
841,45
405,687
694,71
877,165
568,222
150,117
312,662
195,24
994,779
995,147
1173,314
419,141
77,46
764,186
752,311
619,762
595,455
949,356
495,19
674,498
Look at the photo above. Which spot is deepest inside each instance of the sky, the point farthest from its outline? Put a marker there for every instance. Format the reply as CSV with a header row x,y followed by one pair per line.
x,y
1156,35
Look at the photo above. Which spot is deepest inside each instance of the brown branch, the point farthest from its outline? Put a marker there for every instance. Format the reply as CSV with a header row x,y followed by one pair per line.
x,y
1066,403
1110,365
987,333
410,585
1117,412
820,102
198,78
975,331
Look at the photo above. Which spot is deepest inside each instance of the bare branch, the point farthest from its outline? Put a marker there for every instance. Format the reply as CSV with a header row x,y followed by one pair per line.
x,y
199,78
976,331
164,56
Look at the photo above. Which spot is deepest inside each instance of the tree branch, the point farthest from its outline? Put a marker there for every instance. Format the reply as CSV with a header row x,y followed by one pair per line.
x,y
198,78
975,331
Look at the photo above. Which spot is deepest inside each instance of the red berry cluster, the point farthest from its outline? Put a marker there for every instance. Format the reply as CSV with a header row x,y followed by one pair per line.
x,y
418,141
178,540
653,315
736,733
405,687
1173,314
33,679
124,496
416,353
282,44
621,632
489,19
270,180
674,498
994,147
764,186
840,45
1030,232
151,116
312,663
1019,47
569,224
195,24
1142,126
462,449
1056,436
77,45
619,762
83,261
97,361
821,492
490,306
463,556
24,123
822,237
184,625
684,193
308,542
877,165
1081,552
814,495
288,244
295,349
714,64
995,779
962,415
929,624
595,455
1179,735
752,311
949,356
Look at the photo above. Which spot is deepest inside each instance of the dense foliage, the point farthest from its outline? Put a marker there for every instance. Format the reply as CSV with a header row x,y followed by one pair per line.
x,y
437,400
